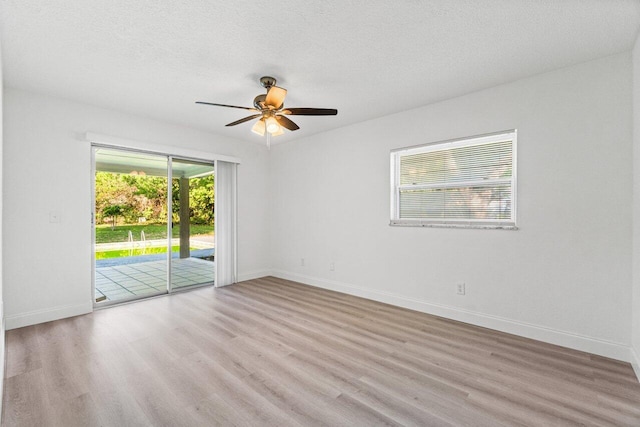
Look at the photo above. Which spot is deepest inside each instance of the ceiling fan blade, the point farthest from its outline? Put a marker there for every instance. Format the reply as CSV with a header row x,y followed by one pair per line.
x,y
310,111
275,97
285,122
246,119
225,105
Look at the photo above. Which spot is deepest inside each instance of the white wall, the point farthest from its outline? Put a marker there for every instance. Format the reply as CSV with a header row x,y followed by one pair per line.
x,y
47,168
563,277
2,315
635,328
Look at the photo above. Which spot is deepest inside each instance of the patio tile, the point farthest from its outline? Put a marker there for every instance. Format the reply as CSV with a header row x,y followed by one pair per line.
x,y
145,291
200,276
111,290
119,295
124,281
138,287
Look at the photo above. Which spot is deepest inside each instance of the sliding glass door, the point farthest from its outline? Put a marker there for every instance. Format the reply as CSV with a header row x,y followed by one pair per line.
x,y
153,224
193,223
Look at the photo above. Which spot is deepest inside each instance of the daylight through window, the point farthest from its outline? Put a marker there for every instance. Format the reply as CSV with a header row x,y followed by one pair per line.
x,y
467,182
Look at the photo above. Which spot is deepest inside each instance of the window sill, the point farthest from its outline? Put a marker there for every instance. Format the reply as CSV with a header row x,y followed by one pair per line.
x,y
396,223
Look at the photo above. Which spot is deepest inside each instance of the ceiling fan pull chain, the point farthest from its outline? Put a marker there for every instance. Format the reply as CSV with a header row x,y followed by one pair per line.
x,y
268,140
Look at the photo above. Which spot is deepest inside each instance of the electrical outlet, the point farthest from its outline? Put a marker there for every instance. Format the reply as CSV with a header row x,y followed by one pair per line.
x,y
332,266
54,216
460,288
301,262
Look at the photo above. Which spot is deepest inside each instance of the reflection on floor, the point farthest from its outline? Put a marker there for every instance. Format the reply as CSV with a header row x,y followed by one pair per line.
x,y
145,278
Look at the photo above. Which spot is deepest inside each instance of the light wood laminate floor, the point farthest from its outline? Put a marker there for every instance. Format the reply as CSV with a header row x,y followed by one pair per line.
x,y
278,353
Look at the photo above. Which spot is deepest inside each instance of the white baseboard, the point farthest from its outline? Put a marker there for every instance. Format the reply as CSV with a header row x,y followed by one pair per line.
x,y
635,362
597,346
3,354
256,274
47,315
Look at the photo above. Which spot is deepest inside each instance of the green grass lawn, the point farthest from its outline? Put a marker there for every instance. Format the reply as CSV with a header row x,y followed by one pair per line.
x,y
120,233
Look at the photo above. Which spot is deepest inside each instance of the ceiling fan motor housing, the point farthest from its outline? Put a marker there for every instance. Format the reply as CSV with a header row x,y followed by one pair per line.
x,y
259,101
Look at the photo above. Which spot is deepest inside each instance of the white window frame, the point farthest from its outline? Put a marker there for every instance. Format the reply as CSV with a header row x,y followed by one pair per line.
x,y
397,154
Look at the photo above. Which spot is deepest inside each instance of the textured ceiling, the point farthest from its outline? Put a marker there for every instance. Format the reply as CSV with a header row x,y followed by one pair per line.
x,y
365,58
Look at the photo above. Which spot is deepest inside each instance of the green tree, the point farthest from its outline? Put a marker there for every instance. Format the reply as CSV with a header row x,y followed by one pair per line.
x,y
149,198
202,199
146,196
111,190
113,211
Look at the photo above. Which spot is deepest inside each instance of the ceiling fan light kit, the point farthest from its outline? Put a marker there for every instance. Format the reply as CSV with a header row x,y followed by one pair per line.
x,y
272,125
269,108
259,128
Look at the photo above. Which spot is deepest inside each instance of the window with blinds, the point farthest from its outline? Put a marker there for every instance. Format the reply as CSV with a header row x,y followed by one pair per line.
x,y
468,182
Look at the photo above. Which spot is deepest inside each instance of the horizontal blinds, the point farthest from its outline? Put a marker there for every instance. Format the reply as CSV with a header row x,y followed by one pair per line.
x,y
486,202
475,163
465,182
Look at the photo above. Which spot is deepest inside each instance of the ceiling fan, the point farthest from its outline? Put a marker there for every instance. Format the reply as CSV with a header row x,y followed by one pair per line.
x,y
270,109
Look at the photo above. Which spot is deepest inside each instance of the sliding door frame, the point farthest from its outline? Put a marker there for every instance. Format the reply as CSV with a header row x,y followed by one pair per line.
x,y
169,221
213,164
170,157
99,305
